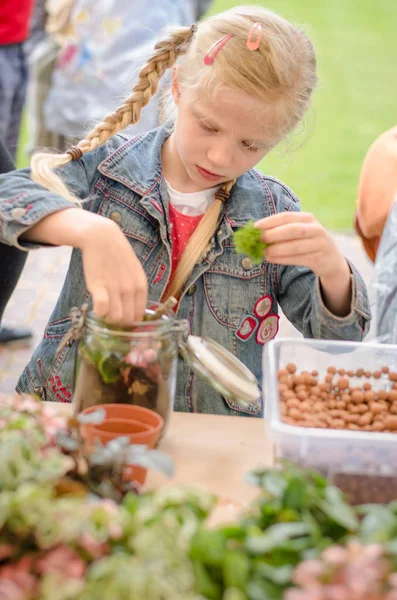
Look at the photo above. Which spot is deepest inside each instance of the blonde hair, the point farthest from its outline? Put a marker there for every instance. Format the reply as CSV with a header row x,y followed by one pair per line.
x,y
281,72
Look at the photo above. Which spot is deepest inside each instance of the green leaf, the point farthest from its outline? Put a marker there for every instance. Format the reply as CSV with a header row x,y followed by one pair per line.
x,y
264,590
338,510
295,494
274,537
205,585
278,575
236,568
247,240
379,525
234,594
209,547
109,367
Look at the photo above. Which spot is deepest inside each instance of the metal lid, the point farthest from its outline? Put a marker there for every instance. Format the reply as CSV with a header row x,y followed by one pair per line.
x,y
222,371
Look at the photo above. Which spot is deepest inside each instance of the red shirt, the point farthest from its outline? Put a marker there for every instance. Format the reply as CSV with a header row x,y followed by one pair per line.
x,y
182,227
15,20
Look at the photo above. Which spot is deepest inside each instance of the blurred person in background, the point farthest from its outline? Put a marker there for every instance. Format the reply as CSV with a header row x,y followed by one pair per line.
x,y
82,68
376,223
14,30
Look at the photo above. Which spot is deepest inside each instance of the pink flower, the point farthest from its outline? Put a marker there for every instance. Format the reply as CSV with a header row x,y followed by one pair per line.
x,y
6,550
10,590
308,572
64,560
93,547
16,583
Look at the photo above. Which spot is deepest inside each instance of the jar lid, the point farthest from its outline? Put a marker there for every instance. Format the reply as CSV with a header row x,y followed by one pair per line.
x,y
224,372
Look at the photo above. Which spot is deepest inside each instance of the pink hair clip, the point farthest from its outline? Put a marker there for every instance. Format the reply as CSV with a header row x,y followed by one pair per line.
x,y
215,49
253,44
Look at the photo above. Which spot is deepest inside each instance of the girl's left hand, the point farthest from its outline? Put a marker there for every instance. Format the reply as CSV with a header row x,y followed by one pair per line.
x,y
297,238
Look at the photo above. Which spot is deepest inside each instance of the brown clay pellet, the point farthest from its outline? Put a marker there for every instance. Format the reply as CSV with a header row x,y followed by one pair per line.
x,y
367,374
282,373
315,373
305,406
393,376
376,408
385,369
391,422
365,419
367,386
369,396
331,370
293,403
351,418
294,413
378,426
291,368
350,373
377,374
342,383
393,395
382,394
359,372
357,396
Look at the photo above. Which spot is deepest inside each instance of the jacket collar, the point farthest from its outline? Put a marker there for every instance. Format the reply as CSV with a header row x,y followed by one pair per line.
x,y
137,165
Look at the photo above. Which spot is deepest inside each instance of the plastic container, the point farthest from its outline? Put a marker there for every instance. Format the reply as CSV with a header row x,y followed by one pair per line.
x,y
363,464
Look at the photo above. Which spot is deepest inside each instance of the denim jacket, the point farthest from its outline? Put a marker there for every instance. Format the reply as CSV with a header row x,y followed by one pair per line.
x,y
226,297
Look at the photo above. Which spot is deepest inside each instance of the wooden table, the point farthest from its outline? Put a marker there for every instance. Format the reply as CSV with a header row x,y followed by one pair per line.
x,y
213,452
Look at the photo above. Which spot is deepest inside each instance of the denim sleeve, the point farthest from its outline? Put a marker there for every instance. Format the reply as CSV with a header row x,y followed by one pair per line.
x,y
24,203
300,298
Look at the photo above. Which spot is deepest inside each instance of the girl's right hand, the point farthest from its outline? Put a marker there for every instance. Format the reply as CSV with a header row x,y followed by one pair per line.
x,y
114,276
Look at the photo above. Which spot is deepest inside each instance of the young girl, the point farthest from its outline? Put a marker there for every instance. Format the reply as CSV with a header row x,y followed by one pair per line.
x,y
153,216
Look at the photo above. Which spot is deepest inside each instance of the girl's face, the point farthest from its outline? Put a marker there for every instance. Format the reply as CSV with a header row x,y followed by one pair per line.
x,y
217,139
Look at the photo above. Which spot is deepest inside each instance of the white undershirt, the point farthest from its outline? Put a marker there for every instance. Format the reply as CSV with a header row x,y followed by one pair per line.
x,y
192,204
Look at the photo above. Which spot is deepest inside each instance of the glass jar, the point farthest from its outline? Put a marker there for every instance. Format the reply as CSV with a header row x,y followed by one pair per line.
x,y
128,366
138,365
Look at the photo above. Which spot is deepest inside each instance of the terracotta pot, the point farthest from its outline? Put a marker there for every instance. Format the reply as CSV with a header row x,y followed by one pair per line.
x,y
141,425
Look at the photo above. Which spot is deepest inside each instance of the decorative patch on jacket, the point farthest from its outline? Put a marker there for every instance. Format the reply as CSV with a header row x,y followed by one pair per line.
x,y
247,328
263,306
268,322
268,329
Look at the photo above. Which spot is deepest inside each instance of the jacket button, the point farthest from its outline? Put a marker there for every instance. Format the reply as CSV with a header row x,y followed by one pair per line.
x,y
116,217
192,290
18,212
247,263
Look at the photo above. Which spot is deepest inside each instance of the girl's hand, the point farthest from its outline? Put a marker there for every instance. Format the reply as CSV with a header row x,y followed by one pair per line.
x,y
114,276
298,239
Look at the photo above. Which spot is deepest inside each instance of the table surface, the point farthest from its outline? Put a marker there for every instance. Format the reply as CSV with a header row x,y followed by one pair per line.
x,y
213,452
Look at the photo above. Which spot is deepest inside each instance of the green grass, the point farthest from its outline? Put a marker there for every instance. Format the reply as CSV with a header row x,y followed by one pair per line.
x,y
355,102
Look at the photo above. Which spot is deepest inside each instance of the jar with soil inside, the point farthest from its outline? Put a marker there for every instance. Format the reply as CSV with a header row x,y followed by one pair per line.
x,y
134,366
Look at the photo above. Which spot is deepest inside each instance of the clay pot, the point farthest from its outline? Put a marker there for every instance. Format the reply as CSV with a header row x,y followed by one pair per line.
x,y
141,425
